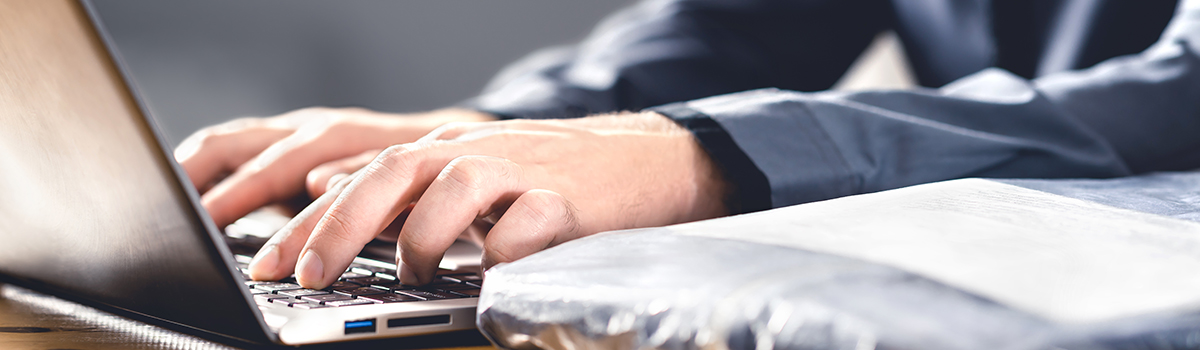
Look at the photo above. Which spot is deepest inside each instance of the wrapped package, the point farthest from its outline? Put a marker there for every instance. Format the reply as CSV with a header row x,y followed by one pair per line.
x,y
964,264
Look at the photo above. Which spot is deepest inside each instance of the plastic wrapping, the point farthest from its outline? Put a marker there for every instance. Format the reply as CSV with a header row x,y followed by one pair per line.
x,y
653,288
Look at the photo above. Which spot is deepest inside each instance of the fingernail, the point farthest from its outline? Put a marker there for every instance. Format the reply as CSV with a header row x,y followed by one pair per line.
x,y
333,180
265,262
310,270
406,275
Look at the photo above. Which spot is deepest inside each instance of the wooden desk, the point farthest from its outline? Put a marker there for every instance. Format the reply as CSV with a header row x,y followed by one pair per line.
x,y
32,320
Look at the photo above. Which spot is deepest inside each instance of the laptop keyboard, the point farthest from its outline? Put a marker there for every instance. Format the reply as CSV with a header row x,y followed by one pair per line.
x,y
362,285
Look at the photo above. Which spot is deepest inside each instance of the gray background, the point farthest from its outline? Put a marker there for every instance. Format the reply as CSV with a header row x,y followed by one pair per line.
x,y
201,62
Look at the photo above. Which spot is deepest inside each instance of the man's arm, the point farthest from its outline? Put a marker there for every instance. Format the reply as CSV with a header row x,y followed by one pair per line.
x,y
653,53
543,182
1128,115
658,52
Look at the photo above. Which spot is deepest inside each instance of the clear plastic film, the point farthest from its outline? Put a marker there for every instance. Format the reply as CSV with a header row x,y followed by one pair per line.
x,y
661,288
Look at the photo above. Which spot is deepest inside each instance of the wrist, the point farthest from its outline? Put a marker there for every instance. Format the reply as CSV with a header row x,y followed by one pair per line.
x,y
707,191
696,185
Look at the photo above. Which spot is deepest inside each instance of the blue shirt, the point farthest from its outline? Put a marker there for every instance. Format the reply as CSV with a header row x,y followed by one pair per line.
x,y
1013,88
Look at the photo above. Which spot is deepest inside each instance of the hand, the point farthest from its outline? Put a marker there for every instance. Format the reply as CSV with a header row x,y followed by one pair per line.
x,y
524,185
244,164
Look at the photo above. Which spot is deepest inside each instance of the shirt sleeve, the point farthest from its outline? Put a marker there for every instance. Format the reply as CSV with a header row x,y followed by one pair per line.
x,y
1128,115
663,51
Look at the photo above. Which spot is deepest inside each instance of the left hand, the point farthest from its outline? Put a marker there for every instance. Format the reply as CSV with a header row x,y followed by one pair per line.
x,y
244,164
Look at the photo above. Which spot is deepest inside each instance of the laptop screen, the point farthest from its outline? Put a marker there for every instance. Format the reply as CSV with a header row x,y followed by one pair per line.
x,y
90,206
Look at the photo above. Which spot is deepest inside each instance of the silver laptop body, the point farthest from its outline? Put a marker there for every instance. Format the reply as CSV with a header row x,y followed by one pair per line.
x,y
94,209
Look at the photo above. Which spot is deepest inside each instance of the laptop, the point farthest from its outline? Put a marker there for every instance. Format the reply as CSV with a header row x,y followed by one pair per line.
x,y
94,209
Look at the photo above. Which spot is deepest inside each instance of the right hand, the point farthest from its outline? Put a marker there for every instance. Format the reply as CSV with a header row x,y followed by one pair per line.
x,y
247,163
518,186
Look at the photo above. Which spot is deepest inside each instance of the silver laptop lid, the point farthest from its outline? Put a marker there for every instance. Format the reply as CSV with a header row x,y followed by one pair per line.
x,y
91,207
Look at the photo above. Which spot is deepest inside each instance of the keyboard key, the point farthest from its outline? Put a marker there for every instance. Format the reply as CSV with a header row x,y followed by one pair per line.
x,y
455,287
351,302
342,285
392,285
325,298
266,298
356,267
275,287
359,291
465,278
443,281
473,292
428,294
287,301
301,292
352,275
366,281
360,270
308,306
388,298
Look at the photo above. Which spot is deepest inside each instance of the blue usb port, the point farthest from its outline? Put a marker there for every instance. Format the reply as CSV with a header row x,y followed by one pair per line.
x,y
362,326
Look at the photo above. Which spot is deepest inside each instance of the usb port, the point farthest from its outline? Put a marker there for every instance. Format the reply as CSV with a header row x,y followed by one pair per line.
x,y
361,326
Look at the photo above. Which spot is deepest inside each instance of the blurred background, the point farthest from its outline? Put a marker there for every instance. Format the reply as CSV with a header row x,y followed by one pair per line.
x,y
202,62
199,63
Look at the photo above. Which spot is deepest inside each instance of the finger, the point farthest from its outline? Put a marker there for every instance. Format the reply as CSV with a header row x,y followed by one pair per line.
x,y
214,151
279,171
537,220
368,204
277,258
468,188
322,177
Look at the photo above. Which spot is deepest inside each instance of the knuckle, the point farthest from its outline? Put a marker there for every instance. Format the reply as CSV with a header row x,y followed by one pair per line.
x,y
394,151
211,135
396,163
414,244
204,138
236,124
305,116
453,129
469,173
551,209
501,254
541,208
337,225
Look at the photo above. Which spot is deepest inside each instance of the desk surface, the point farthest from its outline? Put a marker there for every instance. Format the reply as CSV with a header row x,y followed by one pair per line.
x,y
31,320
